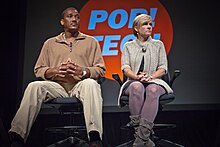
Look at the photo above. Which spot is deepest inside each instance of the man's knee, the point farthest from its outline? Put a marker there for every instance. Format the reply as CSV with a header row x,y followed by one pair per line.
x,y
35,84
90,82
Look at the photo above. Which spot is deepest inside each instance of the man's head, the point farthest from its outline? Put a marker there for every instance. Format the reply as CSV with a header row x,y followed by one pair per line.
x,y
70,19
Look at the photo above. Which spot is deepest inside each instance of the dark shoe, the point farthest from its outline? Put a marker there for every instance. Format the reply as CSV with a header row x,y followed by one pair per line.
x,y
15,139
17,144
95,144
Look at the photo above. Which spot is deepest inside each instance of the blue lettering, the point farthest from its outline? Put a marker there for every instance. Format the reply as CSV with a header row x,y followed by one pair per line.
x,y
109,44
112,19
97,16
156,36
99,38
153,12
134,13
126,39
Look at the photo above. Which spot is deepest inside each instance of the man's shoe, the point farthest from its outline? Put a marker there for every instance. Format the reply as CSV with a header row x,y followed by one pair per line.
x,y
17,144
15,140
95,144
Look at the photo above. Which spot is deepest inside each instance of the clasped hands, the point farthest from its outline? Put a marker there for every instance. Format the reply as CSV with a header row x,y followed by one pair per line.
x,y
143,77
66,71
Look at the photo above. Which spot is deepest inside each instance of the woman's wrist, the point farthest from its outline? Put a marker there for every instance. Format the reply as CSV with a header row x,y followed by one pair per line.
x,y
151,76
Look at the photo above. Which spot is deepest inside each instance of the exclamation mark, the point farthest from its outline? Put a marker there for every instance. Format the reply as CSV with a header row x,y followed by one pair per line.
x,y
153,12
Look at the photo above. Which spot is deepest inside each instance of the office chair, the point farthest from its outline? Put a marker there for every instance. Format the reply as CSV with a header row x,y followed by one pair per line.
x,y
163,100
70,106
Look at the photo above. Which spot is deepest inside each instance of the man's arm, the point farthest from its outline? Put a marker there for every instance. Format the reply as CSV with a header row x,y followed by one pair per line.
x,y
98,66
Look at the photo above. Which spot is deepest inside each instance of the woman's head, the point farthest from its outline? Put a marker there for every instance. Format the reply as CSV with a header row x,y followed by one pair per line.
x,y
140,20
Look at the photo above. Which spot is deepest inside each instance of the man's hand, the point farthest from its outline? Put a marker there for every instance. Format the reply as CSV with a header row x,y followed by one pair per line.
x,y
70,68
66,71
74,69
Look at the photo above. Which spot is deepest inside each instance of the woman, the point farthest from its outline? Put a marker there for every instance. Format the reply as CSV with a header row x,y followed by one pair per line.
x,y
144,62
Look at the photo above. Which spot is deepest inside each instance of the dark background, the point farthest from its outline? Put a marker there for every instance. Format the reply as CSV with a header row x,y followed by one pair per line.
x,y
195,51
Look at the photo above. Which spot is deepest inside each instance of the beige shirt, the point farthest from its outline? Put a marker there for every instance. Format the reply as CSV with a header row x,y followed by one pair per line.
x,y
85,51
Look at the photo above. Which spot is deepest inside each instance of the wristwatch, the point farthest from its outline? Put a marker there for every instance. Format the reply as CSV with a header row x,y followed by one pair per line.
x,y
84,72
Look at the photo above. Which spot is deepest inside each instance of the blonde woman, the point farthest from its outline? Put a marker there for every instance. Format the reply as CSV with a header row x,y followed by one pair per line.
x,y
144,62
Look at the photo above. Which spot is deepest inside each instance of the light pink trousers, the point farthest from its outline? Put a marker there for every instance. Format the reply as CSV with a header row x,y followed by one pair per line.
x,y
87,91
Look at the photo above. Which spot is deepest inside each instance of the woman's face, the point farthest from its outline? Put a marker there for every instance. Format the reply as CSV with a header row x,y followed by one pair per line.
x,y
145,30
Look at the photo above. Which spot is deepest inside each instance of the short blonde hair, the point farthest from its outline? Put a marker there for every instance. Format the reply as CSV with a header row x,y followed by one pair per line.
x,y
139,21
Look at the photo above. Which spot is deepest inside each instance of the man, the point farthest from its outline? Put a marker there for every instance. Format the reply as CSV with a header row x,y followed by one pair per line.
x,y
70,64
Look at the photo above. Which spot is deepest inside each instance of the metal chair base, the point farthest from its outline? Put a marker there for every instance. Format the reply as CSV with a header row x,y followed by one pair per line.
x,y
158,143
70,142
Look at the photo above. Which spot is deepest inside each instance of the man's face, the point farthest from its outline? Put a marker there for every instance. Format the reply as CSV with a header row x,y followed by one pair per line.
x,y
71,20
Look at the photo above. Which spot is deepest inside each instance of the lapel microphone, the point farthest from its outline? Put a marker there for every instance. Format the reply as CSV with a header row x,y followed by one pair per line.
x,y
144,49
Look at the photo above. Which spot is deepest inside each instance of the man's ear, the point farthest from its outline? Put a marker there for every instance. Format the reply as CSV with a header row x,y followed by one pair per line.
x,y
62,22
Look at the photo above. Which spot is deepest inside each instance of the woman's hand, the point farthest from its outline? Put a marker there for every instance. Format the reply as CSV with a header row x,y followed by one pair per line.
x,y
143,77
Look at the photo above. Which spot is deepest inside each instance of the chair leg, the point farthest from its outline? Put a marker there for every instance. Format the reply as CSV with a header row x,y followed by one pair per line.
x,y
127,144
70,133
159,142
69,142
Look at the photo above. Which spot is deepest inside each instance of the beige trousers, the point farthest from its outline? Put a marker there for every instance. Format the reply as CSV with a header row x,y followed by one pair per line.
x,y
88,91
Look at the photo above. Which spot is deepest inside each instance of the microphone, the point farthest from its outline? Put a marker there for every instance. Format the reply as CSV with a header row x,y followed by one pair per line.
x,y
144,49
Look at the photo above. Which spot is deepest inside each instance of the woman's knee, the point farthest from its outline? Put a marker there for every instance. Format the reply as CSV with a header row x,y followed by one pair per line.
x,y
136,87
153,91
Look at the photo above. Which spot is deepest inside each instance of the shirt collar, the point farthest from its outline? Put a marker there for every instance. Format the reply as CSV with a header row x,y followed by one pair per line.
x,y
60,38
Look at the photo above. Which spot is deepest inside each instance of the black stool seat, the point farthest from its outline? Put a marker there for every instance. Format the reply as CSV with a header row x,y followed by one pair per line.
x,y
64,100
164,99
67,105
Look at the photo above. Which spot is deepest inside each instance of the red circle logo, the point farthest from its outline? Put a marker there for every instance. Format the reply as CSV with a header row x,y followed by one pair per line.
x,y
110,22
